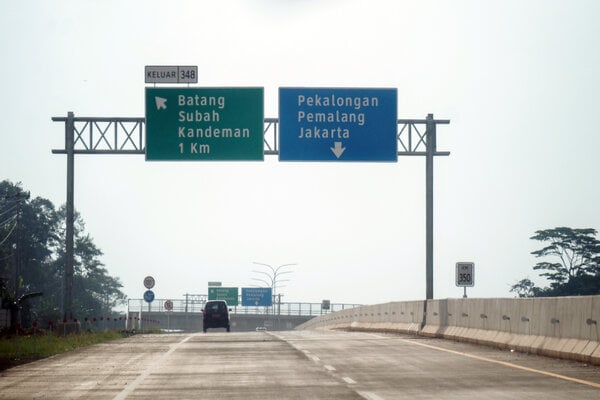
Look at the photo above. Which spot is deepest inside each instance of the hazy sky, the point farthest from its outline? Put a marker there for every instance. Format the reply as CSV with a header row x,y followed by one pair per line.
x,y
518,80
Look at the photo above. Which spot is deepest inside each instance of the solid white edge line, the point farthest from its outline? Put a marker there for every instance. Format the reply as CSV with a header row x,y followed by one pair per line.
x,y
506,364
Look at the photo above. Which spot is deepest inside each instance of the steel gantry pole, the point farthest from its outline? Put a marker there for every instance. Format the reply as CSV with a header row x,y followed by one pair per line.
x,y
91,138
412,141
431,148
70,221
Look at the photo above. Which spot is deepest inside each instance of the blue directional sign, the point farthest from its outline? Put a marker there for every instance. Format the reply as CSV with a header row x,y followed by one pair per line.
x,y
149,296
338,124
259,297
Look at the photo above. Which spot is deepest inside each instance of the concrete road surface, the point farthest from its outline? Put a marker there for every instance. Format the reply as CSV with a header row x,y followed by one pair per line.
x,y
297,365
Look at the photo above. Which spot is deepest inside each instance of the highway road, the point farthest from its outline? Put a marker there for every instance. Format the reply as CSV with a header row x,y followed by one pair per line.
x,y
297,365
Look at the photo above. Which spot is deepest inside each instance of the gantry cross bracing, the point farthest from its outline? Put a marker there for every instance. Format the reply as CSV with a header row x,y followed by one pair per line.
x,y
99,135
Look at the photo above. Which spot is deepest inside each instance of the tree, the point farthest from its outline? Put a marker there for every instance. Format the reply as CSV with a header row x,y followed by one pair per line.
x,y
32,258
525,288
14,237
94,291
574,269
26,228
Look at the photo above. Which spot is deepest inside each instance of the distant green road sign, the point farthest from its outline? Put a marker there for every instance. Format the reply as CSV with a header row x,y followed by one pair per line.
x,y
204,124
229,294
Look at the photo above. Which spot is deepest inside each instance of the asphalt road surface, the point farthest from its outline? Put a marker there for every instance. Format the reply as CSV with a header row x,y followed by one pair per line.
x,y
297,365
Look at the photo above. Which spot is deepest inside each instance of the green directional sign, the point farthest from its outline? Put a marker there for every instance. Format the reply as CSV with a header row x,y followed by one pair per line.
x,y
229,294
204,124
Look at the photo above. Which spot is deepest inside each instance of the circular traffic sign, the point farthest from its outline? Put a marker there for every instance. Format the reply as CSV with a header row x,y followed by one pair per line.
x,y
149,282
169,305
149,296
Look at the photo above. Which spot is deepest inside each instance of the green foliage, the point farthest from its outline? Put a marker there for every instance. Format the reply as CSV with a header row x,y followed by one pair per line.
x,y
32,259
575,268
525,288
18,349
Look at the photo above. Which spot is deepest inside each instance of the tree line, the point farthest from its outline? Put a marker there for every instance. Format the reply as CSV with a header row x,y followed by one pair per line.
x,y
32,259
571,264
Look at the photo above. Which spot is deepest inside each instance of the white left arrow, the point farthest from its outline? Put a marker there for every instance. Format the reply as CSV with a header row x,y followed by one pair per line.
x,y
161,103
338,150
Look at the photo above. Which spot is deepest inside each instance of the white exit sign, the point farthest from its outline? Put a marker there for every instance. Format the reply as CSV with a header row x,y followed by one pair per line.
x,y
171,74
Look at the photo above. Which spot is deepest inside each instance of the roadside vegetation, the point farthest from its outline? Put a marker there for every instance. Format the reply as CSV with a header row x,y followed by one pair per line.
x,y
16,350
32,260
571,264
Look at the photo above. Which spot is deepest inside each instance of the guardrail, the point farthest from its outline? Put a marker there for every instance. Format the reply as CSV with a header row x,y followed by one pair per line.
x,y
195,306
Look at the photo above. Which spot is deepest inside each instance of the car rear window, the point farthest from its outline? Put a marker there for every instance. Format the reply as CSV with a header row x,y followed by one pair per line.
x,y
216,307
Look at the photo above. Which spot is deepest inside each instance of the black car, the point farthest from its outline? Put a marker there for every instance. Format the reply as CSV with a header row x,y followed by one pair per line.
x,y
215,315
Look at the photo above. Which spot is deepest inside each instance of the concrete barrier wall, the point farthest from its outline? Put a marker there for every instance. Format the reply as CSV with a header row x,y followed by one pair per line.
x,y
396,316
192,322
565,327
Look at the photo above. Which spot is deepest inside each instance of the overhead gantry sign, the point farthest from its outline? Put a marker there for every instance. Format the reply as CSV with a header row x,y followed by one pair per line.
x,y
315,124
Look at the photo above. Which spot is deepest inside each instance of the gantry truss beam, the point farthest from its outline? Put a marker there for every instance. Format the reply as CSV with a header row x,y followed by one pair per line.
x,y
93,135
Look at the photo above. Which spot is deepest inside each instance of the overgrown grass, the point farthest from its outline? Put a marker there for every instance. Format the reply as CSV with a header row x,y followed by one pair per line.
x,y
18,349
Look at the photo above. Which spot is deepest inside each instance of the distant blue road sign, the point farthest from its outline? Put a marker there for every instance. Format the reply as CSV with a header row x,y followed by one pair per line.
x,y
258,297
338,124
149,296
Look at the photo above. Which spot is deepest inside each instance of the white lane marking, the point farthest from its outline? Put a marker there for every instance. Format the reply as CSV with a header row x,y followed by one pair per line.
x,y
369,396
504,363
349,380
315,358
306,351
330,368
151,366
87,385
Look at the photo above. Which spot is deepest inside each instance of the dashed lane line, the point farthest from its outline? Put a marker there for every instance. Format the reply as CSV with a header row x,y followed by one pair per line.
x,y
331,368
349,380
151,366
369,396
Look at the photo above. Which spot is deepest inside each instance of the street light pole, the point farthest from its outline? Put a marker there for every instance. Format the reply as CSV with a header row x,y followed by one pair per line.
x,y
270,277
276,272
267,284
